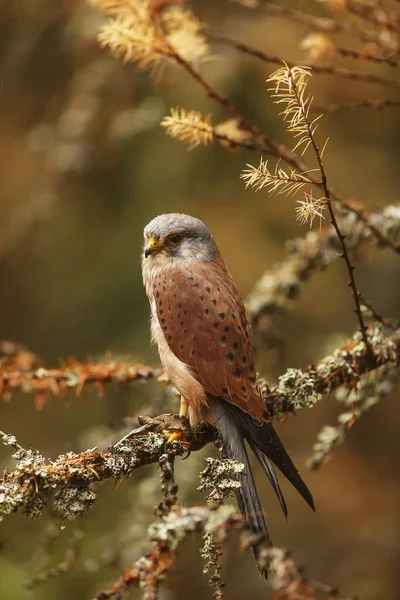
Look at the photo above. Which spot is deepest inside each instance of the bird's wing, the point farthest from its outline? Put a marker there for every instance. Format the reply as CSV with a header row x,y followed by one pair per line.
x,y
205,325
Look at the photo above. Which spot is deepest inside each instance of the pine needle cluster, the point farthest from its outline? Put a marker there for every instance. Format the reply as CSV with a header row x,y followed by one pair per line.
x,y
289,89
277,182
191,127
142,32
195,129
309,208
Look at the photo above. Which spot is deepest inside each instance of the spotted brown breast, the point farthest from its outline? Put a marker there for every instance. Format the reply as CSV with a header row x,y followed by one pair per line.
x,y
205,325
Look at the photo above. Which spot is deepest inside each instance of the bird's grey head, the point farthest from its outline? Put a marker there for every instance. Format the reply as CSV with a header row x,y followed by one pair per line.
x,y
179,236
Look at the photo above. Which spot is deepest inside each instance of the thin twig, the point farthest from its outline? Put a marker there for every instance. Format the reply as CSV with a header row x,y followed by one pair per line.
x,y
247,144
363,216
378,103
270,145
278,286
391,323
351,53
318,69
365,395
278,60
345,255
371,17
324,24
70,559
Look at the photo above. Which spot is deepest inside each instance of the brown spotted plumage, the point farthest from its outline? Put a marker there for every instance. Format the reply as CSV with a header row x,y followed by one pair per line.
x,y
205,344
206,327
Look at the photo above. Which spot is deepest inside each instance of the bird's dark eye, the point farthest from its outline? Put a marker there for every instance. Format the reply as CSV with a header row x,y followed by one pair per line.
x,y
176,239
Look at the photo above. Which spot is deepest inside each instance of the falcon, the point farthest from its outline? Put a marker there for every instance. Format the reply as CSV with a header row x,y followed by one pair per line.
x,y
204,339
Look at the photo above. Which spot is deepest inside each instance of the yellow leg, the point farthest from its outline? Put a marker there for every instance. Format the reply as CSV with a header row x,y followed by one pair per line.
x,y
184,408
178,435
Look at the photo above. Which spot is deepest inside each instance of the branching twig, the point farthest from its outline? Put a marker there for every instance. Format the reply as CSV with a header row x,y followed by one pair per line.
x,y
326,25
65,565
279,286
387,322
290,91
360,9
368,391
298,389
368,220
299,164
378,103
317,69
120,43
270,145
351,53
150,570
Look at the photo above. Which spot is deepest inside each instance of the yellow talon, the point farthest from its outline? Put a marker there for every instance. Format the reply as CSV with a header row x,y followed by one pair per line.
x,y
176,435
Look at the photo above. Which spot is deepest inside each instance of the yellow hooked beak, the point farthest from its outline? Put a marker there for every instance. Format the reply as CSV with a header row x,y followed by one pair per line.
x,y
153,245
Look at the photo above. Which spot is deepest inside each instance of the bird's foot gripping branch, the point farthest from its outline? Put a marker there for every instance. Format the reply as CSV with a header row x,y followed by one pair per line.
x,y
65,483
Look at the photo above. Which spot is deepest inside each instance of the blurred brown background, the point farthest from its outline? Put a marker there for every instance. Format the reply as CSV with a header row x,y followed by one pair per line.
x,y
84,166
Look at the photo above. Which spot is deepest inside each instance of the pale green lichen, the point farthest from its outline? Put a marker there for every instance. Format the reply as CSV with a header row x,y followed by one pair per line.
x,y
368,391
8,440
221,477
391,221
328,438
175,525
36,482
70,502
299,388
207,551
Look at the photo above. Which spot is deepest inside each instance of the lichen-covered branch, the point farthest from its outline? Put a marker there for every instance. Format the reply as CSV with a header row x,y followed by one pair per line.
x,y
66,482
73,376
314,252
16,356
368,391
297,389
149,571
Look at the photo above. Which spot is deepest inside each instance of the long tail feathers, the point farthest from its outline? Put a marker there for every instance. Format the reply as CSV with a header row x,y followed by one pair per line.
x,y
234,427
266,439
268,467
234,448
